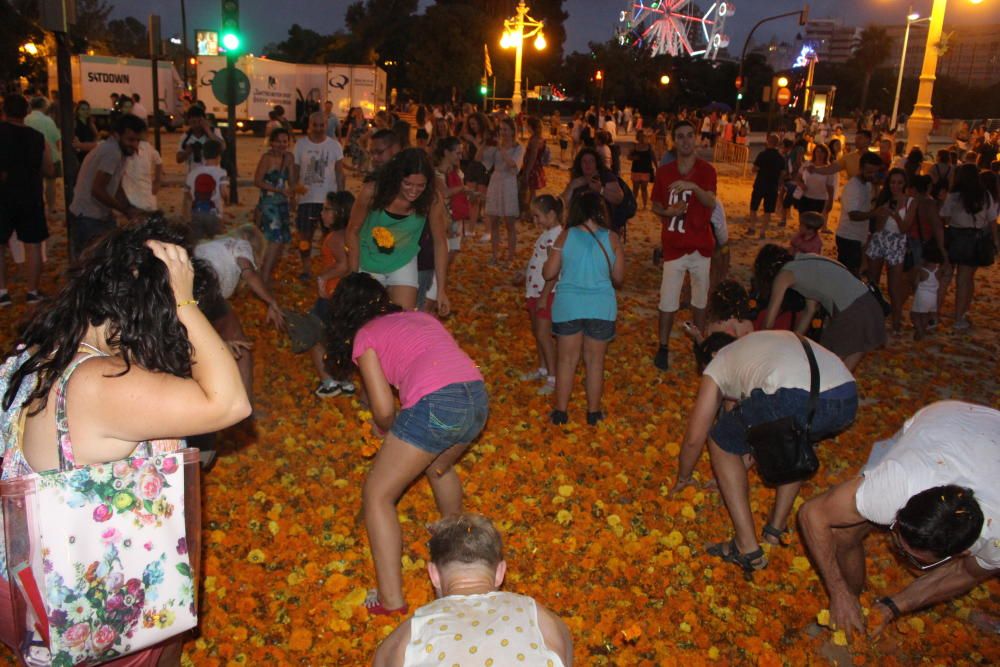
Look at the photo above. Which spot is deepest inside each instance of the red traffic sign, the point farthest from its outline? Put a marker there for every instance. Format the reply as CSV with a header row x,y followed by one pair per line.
x,y
739,83
784,96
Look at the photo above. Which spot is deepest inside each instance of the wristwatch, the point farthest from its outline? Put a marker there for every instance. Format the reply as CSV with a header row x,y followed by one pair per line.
x,y
887,602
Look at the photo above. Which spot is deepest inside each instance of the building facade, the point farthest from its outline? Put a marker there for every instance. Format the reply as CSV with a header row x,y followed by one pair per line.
x,y
971,53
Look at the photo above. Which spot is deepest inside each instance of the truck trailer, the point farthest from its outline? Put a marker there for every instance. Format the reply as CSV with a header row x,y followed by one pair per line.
x,y
298,88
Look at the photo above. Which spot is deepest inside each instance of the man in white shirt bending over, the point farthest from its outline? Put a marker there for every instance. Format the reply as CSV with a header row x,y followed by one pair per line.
x,y
319,164
472,618
933,487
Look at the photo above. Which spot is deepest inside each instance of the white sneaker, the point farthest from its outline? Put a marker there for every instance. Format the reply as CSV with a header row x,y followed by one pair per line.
x,y
485,237
547,388
537,374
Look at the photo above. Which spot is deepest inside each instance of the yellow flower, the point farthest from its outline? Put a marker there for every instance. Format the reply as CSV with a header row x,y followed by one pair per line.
x,y
801,563
384,240
840,638
823,618
256,556
565,490
563,517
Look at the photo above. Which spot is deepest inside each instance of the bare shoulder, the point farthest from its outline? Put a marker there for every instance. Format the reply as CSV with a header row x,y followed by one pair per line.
x,y
555,633
392,651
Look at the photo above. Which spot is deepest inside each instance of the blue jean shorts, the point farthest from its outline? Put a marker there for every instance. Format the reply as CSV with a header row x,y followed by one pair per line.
x,y
835,411
452,415
602,330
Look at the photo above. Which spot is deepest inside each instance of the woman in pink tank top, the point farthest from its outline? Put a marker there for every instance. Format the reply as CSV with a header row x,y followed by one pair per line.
x,y
443,407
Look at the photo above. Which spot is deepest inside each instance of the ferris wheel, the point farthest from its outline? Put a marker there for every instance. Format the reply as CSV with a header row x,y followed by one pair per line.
x,y
676,27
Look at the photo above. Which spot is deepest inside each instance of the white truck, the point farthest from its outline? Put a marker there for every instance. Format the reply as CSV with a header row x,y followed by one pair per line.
x,y
95,78
295,87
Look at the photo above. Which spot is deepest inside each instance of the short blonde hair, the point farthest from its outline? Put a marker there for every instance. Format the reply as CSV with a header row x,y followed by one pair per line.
x,y
251,233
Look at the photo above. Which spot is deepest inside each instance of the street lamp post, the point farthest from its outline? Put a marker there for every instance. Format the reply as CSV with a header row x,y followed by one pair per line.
x,y
911,18
921,121
516,29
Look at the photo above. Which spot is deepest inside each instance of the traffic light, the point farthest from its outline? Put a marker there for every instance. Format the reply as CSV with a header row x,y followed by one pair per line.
x,y
599,76
483,89
739,96
230,36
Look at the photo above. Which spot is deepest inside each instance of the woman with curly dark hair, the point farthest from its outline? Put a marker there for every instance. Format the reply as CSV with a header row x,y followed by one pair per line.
x,y
443,407
588,173
120,357
387,221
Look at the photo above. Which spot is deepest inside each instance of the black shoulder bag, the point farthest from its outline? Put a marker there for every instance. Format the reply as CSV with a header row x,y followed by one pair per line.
x,y
782,449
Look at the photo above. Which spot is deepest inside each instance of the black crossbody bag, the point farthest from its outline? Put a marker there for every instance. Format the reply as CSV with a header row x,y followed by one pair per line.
x,y
784,450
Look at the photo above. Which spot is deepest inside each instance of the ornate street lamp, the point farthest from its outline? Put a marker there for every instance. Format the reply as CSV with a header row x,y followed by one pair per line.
x,y
516,29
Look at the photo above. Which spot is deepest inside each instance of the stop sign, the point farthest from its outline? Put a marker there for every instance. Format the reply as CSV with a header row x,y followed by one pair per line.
x,y
784,96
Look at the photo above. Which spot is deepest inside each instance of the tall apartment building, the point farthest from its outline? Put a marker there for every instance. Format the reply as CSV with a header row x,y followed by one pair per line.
x,y
833,41
972,56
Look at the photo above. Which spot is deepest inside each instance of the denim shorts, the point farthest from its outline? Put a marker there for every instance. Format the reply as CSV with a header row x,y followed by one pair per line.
x,y
835,411
602,330
452,415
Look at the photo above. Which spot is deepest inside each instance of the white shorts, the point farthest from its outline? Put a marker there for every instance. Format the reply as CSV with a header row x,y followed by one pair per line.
x,y
673,280
405,276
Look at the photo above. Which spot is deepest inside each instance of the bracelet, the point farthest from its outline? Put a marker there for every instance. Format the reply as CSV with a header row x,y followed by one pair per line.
x,y
891,606
189,302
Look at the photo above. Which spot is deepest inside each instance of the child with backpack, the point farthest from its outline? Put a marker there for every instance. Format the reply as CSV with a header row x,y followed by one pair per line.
x,y
207,187
546,212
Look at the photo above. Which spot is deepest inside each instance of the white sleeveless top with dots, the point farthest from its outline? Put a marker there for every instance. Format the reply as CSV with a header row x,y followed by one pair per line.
x,y
497,629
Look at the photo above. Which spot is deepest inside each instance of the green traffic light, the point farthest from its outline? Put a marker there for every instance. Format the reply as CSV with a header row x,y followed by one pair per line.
x,y
231,41
482,90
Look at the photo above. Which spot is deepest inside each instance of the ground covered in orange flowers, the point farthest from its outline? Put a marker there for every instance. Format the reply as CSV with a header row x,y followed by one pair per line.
x,y
590,530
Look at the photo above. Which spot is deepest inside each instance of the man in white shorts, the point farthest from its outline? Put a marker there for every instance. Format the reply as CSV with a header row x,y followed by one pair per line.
x,y
684,198
472,618
934,487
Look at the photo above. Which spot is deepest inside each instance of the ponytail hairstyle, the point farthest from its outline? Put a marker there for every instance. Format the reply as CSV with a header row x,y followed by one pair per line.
x,y
586,206
443,145
358,300
549,204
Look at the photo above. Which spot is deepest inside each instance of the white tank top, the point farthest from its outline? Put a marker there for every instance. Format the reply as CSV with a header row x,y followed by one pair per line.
x,y
498,629
891,225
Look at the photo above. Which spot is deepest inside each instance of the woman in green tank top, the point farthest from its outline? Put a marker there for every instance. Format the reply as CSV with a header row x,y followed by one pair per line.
x,y
383,236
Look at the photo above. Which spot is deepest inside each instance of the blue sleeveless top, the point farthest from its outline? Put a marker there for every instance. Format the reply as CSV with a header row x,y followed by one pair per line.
x,y
585,290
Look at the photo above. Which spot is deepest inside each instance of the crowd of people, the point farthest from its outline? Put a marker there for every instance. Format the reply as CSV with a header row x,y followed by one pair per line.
x,y
145,300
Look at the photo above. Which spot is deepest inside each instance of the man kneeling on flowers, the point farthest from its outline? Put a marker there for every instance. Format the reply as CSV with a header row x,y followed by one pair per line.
x,y
472,619
933,488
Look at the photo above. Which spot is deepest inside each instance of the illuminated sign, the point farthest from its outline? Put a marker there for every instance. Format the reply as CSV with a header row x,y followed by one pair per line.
x,y
207,41
807,54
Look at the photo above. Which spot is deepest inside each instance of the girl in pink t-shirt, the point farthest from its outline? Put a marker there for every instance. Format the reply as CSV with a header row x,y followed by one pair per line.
x,y
443,407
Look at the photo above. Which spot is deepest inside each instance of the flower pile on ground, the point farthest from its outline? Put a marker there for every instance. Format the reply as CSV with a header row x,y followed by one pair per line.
x,y
590,528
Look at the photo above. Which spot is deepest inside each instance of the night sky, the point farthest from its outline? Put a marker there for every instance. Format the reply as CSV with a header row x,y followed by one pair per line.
x,y
589,20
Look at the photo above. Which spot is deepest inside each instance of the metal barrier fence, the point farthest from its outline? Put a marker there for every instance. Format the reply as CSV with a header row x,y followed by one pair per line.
x,y
735,154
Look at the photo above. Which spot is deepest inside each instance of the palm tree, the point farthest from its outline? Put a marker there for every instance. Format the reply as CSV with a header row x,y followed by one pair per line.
x,y
874,48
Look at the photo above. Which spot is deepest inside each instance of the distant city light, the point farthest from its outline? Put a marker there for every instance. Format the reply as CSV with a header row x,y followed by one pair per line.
x,y
807,54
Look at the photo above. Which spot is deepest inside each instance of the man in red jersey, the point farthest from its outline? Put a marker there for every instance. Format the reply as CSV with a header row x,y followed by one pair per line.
x,y
684,198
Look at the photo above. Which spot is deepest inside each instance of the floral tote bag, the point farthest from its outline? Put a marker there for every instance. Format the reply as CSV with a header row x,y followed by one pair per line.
x,y
103,559
116,573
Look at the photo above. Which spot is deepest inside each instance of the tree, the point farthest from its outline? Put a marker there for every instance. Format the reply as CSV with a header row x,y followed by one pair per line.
x,y
873,49
302,46
449,54
128,37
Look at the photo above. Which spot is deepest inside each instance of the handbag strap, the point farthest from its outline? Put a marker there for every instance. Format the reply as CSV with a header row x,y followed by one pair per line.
x,y
600,245
813,382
